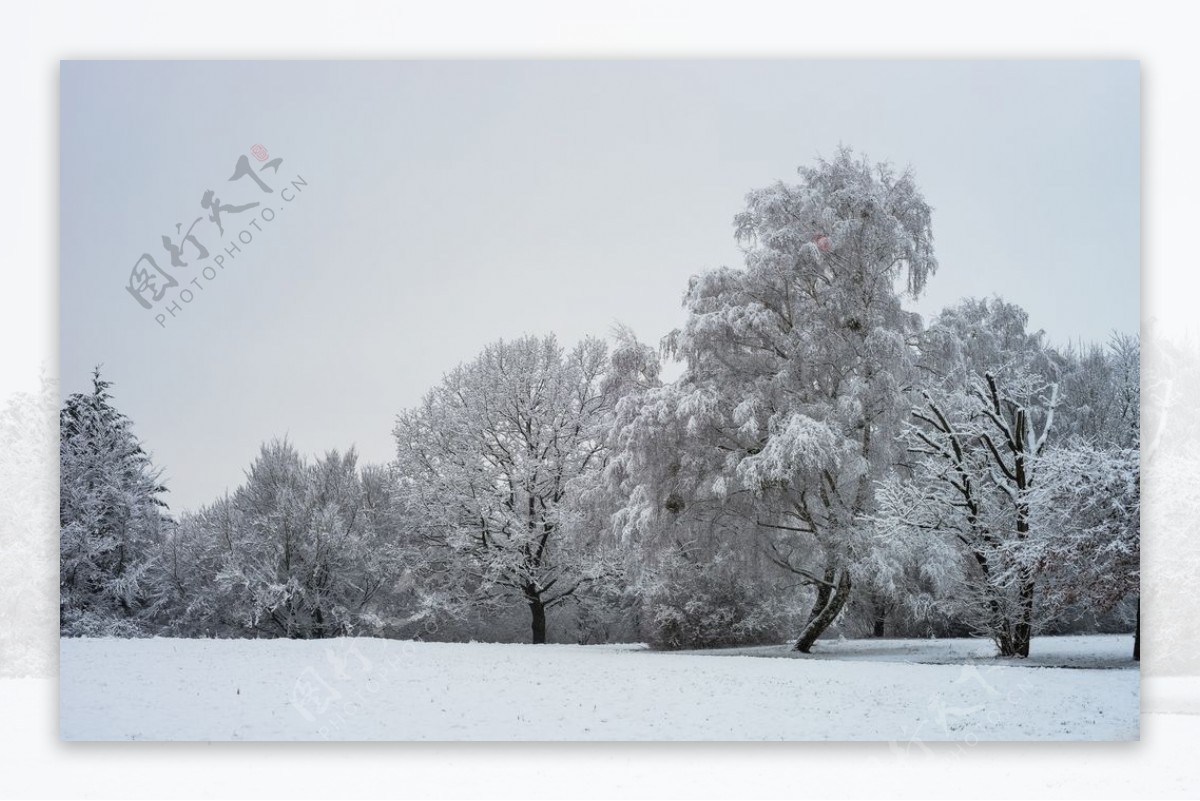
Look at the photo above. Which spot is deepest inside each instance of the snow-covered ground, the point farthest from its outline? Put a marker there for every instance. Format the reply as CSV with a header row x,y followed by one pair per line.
x,y
1100,651
364,689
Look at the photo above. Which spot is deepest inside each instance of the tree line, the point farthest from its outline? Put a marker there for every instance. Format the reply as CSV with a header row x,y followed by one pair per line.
x,y
826,458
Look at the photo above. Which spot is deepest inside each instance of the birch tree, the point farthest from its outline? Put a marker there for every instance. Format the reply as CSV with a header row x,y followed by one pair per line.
x,y
792,391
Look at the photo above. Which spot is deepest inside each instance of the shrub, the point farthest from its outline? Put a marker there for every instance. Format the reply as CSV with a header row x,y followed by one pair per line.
x,y
707,606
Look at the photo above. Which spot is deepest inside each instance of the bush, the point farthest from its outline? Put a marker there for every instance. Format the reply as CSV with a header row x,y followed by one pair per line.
x,y
705,606
91,623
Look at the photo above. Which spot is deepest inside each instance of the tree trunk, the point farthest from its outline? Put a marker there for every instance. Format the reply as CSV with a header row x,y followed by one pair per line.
x,y
1137,634
1024,628
1004,637
1013,631
830,600
538,610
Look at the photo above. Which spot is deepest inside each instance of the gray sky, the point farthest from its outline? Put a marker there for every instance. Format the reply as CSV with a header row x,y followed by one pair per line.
x,y
452,203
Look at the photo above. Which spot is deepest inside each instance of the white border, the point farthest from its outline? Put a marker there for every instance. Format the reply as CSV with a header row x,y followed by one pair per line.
x,y
35,36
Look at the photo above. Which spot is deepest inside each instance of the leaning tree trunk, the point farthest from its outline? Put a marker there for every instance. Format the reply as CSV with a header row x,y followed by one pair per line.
x,y
831,598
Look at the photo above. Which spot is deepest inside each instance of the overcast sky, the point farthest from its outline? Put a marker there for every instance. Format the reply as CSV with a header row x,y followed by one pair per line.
x,y
448,204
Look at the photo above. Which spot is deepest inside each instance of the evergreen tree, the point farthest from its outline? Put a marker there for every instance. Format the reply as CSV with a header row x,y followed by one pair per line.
x,y
111,515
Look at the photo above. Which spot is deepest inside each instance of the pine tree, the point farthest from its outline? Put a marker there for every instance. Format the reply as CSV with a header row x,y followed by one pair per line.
x,y
110,514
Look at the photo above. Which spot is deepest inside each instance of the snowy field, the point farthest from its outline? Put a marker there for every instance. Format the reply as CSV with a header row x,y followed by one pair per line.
x,y
1104,651
365,689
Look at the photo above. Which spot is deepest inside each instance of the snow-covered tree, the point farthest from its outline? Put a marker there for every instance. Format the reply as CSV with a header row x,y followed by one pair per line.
x,y
1088,548
1096,491
975,445
1024,461
110,513
785,415
297,551
490,466
1104,385
974,478
711,601
185,599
